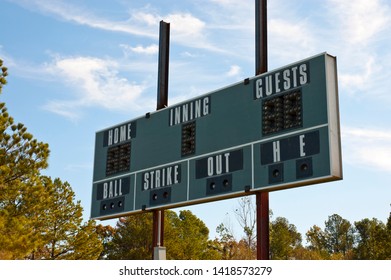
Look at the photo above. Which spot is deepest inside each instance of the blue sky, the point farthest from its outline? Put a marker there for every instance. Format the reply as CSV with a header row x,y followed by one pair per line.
x,y
76,67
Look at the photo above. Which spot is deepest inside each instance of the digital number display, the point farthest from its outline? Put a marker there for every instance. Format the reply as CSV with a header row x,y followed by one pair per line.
x,y
188,138
118,159
282,112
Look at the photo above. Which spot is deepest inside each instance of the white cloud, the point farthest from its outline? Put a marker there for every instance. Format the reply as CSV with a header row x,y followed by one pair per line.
x,y
359,80
225,2
143,17
361,20
186,29
187,54
139,49
185,25
292,39
233,71
190,31
78,15
367,147
96,82
292,36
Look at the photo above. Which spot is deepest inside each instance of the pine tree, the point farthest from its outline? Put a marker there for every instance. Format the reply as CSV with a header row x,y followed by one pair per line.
x,y
3,74
21,193
63,233
38,217
132,239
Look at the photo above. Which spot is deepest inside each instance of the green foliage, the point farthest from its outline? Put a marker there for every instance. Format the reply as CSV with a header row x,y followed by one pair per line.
x,y
86,244
336,241
340,235
48,225
373,239
230,249
189,237
317,240
132,239
284,239
366,240
185,237
105,234
63,234
21,214
38,217
21,157
3,74
226,245
22,194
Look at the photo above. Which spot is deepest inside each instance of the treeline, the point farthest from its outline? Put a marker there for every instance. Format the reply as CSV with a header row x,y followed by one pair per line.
x,y
186,238
339,239
40,219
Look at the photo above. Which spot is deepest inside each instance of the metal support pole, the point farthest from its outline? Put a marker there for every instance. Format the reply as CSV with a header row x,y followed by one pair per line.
x,y
159,251
162,75
261,63
260,37
262,199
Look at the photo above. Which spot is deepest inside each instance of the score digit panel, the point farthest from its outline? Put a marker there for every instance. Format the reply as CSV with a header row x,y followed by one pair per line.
x,y
273,131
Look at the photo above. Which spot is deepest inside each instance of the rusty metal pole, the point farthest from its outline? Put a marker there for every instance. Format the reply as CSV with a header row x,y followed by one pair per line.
x,y
262,198
163,63
261,37
159,252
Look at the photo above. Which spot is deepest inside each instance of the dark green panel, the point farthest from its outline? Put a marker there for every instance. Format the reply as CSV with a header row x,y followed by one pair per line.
x,y
273,160
273,131
113,196
162,186
223,174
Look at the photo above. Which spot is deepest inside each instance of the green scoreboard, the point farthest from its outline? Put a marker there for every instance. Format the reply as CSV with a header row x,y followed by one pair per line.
x,y
273,131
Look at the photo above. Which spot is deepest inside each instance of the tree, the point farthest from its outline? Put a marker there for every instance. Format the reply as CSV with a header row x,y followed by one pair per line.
x,y
21,157
38,216
373,240
284,239
185,237
64,236
132,238
105,234
87,244
246,215
317,240
188,237
339,236
21,193
388,244
226,245
336,241
3,74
